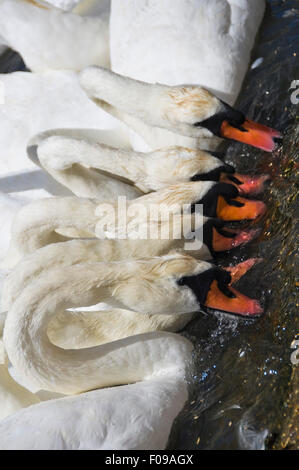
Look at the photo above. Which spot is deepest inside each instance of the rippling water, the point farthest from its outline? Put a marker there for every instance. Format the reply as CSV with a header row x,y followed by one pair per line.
x,y
243,387
242,383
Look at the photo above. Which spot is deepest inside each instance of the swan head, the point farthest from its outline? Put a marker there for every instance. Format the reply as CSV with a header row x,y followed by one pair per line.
x,y
213,289
172,165
206,115
178,283
188,110
229,123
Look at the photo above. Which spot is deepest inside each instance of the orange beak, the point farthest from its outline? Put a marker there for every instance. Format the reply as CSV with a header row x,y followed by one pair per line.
x,y
246,184
239,209
252,133
232,239
240,304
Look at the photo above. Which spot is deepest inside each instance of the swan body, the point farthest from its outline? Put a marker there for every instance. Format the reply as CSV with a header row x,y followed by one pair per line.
x,y
80,329
48,38
194,42
95,421
61,152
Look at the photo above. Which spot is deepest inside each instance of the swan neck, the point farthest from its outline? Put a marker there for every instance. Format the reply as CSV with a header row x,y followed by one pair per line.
x,y
46,366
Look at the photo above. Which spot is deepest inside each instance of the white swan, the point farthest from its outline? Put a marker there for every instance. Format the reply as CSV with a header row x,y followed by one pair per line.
x,y
56,220
83,328
48,38
163,393
158,360
71,155
187,110
65,5
74,157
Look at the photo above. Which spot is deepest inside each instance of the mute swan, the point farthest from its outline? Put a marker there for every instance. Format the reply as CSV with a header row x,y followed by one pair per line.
x,y
156,359
49,39
148,408
83,328
37,102
188,110
131,417
161,285
54,220
13,396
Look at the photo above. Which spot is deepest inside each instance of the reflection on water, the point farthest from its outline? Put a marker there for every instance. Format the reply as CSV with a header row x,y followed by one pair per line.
x,y
242,386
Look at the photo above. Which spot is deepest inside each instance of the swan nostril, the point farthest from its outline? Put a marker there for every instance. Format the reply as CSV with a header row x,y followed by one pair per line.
x,y
278,140
234,180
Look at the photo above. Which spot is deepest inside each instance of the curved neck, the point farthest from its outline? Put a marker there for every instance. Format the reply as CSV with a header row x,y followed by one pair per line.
x,y
143,100
48,367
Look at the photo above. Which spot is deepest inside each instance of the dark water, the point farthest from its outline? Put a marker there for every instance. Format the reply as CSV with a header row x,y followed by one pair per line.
x,y
242,383
242,390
